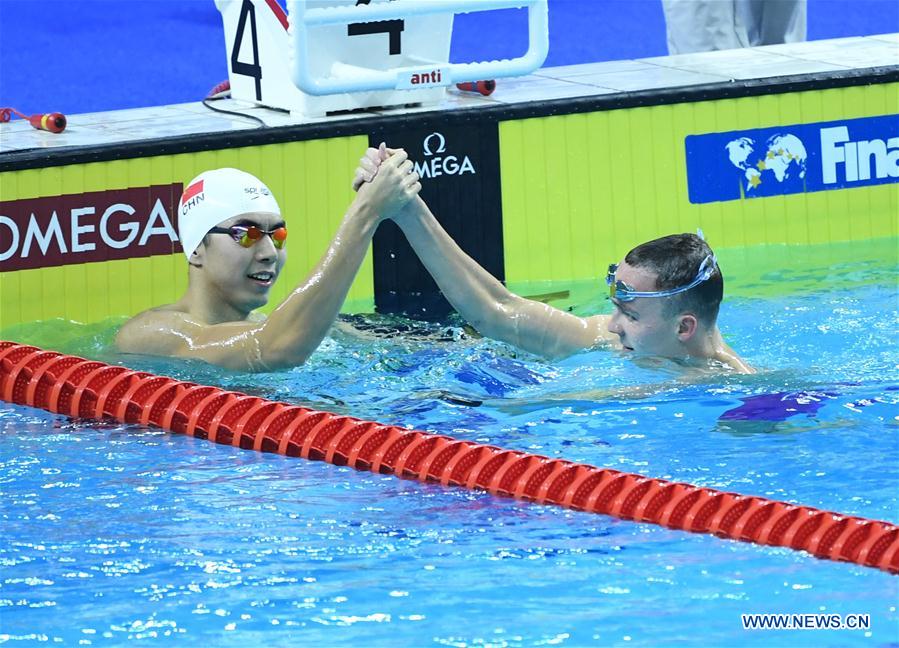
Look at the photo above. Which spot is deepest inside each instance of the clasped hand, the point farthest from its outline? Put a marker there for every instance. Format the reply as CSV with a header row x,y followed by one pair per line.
x,y
389,179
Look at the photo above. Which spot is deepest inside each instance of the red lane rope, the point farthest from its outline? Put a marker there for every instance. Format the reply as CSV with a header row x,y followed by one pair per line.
x,y
88,389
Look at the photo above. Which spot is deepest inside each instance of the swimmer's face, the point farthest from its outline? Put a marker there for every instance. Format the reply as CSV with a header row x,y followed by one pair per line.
x,y
241,276
642,325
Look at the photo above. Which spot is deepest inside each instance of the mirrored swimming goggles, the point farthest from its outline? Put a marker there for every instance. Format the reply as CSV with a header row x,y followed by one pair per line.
x,y
248,235
625,293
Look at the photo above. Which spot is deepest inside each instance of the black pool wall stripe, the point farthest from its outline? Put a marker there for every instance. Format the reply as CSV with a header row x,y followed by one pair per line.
x,y
459,165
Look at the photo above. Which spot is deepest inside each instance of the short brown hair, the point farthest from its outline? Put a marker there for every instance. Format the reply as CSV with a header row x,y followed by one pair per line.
x,y
675,260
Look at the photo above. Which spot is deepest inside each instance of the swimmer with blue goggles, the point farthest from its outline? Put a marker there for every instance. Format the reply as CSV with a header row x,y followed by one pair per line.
x,y
625,293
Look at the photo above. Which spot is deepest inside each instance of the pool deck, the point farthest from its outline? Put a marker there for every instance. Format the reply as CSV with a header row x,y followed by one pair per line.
x,y
610,78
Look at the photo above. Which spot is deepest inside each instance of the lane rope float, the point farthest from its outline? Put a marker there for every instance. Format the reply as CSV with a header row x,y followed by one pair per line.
x,y
89,389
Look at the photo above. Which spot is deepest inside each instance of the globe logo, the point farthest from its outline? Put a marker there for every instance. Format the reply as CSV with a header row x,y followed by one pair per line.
x,y
782,161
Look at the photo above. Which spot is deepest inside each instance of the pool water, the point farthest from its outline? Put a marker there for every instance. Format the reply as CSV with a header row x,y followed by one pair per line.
x,y
115,534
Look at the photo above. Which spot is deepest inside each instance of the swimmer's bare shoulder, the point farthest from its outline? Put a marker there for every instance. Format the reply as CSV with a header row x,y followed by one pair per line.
x,y
163,330
729,358
171,331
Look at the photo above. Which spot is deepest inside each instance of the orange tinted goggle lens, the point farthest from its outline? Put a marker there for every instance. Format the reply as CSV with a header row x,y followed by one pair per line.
x,y
253,234
279,237
249,237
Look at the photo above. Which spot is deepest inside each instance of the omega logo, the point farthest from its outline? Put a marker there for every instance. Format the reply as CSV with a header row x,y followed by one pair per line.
x,y
438,165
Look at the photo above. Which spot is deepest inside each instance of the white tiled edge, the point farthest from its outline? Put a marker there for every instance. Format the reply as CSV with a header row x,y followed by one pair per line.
x,y
569,81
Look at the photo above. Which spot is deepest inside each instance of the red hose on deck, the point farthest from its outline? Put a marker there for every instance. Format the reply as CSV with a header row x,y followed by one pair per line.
x,y
88,389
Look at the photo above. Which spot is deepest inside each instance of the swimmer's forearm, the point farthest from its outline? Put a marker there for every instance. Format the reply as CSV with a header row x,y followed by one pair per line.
x,y
472,291
296,328
482,300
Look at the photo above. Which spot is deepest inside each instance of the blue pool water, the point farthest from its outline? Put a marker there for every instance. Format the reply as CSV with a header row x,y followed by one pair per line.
x,y
115,534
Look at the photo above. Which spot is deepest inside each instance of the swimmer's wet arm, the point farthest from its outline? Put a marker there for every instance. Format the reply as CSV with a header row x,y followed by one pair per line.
x,y
552,333
486,303
293,330
297,326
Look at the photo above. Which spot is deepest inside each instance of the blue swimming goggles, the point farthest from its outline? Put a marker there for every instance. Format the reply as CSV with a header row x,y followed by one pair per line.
x,y
625,293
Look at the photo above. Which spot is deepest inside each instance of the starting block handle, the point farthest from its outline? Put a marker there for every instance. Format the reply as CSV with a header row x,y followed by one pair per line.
x,y
354,79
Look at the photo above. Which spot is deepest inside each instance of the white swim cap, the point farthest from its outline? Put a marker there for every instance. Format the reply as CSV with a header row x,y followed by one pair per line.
x,y
215,196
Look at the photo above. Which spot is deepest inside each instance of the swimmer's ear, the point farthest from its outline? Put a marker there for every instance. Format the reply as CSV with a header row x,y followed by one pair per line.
x,y
199,255
686,326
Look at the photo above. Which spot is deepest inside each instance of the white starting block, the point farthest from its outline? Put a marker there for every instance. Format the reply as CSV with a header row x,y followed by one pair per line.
x,y
340,55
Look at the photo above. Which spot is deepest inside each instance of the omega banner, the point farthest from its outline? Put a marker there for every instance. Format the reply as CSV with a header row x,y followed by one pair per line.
x,y
89,227
460,182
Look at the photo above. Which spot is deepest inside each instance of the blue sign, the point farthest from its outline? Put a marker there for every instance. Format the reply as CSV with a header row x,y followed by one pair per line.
x,y
792,159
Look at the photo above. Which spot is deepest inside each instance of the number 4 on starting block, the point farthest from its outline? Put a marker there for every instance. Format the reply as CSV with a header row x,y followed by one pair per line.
x,y
338,55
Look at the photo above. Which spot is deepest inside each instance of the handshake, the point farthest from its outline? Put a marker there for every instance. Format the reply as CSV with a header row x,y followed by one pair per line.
x,y
371,161
387,178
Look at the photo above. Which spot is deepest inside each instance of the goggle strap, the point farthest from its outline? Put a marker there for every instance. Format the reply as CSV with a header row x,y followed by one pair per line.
x,y
706,269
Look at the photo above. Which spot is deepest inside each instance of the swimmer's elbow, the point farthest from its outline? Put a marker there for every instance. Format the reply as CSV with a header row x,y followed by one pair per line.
x,y
276,362
497,321
549,332
128,335
280,353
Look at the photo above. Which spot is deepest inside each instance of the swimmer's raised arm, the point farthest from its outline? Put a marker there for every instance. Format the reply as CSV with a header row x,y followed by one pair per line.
x,y
666,294
198,327
486,303
482,300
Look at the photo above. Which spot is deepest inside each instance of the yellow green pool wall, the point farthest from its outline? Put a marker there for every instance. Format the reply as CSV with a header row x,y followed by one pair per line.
x,y
578,190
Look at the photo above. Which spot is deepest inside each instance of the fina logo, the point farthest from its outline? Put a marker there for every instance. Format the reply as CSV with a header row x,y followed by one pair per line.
x,y
783,159
856,157
799,158
437,165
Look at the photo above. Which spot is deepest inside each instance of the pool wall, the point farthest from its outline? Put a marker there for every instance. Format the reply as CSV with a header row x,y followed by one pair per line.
x,y
539,192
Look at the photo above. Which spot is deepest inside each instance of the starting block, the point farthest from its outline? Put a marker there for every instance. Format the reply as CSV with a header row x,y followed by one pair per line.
x,y
339,55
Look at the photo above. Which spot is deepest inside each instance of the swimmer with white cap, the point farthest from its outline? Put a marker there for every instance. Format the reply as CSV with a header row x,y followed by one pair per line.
x,y
235,240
